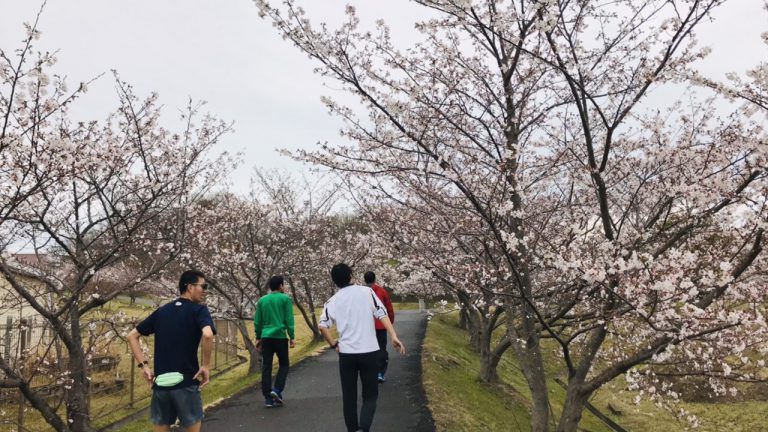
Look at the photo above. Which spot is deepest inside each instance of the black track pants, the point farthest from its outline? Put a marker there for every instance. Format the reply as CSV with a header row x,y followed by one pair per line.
x,y
350,367
270,347
381,336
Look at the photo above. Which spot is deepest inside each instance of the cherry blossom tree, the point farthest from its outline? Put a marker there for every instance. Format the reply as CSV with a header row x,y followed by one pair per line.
x,y
284,227
312,236
312,233
91,196
233,245
444,251
626,232
308,246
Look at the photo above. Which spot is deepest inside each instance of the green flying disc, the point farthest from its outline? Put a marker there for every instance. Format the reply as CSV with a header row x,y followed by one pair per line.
x,y
169,379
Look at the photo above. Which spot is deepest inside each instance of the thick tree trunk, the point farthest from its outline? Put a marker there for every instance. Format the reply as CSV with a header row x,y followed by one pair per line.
x,y
488,372
474,336
489,355
489,363
576,396
254,356
573,407
465,311
533,370
475,329
525,341
463,318
254,361
309,317
77,394
316,335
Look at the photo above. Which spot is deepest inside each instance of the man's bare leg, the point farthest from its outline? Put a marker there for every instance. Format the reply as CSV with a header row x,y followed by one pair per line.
x,y
162,428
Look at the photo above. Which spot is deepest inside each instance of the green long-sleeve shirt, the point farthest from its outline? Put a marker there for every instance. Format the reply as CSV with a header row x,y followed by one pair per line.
x,y
274,316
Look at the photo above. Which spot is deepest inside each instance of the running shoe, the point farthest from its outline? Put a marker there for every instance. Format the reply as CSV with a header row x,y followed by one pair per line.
x,y
269,403
277,398
380,378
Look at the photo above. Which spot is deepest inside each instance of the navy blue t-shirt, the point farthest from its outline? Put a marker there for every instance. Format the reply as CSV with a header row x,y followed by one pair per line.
x,y
178,327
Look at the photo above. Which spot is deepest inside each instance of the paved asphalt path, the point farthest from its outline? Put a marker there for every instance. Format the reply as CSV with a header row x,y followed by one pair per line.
x,y
313,394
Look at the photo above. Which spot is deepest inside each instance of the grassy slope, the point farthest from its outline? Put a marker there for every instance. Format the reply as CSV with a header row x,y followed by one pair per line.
x,y
460,403
713,417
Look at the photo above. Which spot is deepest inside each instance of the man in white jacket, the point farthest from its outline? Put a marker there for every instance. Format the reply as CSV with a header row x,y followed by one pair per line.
x,y
353,310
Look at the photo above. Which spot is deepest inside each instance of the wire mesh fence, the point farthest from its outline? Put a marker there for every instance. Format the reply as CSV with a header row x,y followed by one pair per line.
x,y
117,388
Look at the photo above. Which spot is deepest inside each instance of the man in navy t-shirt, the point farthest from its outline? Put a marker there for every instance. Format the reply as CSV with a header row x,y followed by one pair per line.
x,y
178,327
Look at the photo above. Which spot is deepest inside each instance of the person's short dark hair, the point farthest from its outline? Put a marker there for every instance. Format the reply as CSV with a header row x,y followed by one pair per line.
x,y
341,275
370,277
189,277
275,282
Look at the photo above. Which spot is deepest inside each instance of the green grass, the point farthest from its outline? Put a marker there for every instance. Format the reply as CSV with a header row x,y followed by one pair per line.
x,y
459,402
713,417
405,306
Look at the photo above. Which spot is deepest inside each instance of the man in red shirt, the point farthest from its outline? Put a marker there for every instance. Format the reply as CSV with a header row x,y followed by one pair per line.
x,y
381,332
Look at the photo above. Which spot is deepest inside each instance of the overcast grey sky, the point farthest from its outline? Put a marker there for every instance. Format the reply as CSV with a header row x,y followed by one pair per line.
x,y
220,51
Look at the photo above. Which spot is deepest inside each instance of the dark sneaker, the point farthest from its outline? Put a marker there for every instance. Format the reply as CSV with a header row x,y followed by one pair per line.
x,y
269,403
380,378
277,398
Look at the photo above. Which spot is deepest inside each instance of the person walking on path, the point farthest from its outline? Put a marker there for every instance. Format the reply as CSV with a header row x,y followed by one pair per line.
x,y
381,331
274,327
178,328
353,310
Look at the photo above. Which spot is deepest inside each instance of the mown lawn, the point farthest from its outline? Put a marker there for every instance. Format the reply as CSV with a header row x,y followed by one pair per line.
x,y
460,403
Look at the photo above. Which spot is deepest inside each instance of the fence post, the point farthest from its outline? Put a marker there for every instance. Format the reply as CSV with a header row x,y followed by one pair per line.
x,y
8,325
215,352
235,341
43,331
31,327
226,342
421,305
133,381
22,347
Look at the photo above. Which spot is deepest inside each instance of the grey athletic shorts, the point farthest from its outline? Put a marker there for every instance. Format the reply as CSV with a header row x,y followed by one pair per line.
x,y
183,403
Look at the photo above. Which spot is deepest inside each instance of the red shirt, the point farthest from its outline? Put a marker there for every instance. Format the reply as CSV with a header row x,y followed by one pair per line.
x,y
383,295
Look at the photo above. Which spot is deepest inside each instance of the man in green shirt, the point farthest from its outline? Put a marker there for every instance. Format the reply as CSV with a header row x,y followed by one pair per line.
x,y
273,323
